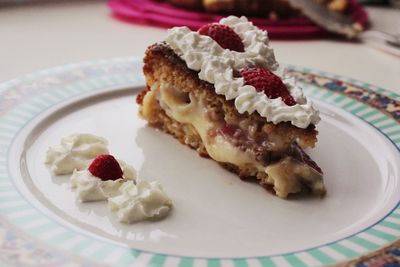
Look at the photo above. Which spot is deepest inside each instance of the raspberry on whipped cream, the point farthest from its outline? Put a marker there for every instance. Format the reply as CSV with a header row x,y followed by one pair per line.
x,y
223,35
266,81
106,167
91,188
75,152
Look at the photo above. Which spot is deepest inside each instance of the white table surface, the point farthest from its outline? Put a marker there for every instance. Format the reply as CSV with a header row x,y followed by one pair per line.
x,y
34,37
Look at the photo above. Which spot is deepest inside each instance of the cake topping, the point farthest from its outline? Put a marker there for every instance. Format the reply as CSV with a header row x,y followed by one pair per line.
x,y
223,35
105,167
218,66
265,81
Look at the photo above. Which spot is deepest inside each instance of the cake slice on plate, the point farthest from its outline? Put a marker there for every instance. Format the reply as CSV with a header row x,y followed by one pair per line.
x,y
221,92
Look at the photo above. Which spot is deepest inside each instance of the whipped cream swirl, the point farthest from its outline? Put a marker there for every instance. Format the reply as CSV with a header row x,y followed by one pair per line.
x,y
75,152
217,65
141,201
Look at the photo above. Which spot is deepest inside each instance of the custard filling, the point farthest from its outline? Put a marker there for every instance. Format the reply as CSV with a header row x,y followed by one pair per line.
x,y
285,173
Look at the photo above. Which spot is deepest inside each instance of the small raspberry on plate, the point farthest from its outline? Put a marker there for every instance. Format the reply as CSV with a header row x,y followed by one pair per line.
x,y
223,35
269,83
105,167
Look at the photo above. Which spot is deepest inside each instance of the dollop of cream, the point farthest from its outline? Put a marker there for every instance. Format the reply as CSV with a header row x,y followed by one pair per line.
x,y
217,66
75,152
91,188
141,201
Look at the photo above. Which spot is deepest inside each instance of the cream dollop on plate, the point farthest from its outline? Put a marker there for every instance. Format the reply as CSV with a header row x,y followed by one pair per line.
x,y
75,152
141,201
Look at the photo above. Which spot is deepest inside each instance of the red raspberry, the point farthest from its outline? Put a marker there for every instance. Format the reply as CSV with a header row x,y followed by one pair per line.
x,y
223,35
106,167
265,81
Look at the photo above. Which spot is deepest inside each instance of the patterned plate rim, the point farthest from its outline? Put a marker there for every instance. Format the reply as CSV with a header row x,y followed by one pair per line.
x,y
29,95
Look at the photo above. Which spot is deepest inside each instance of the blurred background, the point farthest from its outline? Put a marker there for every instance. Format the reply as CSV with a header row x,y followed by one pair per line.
x,y
348,37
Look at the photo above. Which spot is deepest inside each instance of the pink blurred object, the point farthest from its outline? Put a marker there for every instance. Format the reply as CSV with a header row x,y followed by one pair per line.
x,y
165,15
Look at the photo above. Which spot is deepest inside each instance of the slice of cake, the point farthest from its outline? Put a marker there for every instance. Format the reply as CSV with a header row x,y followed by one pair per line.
x,y
221,92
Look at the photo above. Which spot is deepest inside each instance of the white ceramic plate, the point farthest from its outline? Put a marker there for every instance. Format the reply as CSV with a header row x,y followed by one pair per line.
x,y
217,220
